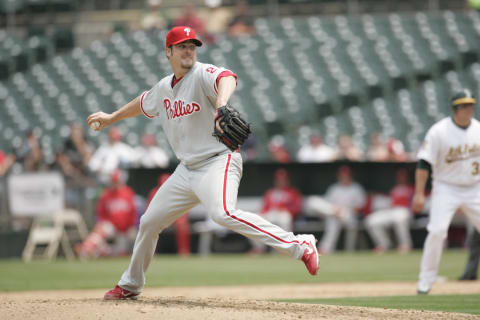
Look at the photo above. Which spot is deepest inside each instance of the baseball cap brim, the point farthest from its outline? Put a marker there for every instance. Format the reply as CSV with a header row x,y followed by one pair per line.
x,y
197,42
466,100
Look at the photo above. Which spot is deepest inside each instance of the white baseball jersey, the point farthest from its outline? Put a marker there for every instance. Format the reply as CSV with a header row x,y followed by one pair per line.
x,y
109,157
209,173
186,112
453,152
352,196
322,153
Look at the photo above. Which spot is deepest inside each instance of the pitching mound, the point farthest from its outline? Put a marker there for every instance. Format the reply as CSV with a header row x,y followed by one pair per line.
x,y
239,302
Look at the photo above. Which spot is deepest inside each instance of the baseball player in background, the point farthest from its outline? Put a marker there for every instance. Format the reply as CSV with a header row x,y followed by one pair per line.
x,y
396,216
340,207
451,151
281,205
186,104
116,220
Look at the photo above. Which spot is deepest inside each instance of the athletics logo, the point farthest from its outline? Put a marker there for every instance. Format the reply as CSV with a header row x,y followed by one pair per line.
x,y
180,108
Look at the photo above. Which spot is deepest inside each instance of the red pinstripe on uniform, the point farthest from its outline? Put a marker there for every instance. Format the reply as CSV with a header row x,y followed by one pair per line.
x,y
241,220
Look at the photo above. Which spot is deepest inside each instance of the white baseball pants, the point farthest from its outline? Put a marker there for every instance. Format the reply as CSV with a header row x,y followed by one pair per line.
x,y
446,200
335,218
378,222
214,183
333,226
281,218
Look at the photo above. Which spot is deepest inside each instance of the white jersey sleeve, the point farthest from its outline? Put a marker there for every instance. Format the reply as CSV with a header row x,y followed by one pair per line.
x,y
352,196
149,101
429,148
358,197
208,79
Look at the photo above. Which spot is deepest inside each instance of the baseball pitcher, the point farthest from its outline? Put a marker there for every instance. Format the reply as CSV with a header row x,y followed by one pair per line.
x,y
205,133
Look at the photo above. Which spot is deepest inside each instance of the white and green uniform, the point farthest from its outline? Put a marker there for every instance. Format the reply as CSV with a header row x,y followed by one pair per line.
x,y
454,155
208,173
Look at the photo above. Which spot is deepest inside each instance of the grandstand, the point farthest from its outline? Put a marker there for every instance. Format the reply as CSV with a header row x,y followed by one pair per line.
x,y
342,74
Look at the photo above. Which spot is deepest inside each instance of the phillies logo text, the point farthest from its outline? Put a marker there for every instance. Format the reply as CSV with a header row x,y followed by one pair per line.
x,y
179,108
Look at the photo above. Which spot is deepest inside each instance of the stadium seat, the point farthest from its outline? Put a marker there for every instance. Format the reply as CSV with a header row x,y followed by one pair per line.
x,y
339,75
9,6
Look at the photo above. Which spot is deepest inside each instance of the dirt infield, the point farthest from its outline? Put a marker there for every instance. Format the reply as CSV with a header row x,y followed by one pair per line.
x,y
239,302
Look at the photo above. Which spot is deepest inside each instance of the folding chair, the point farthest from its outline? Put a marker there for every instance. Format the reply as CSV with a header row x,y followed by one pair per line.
x,y
53,232
46,231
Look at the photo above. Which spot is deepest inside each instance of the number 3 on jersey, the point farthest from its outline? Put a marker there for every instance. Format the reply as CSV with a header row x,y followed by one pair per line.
x,y
476,168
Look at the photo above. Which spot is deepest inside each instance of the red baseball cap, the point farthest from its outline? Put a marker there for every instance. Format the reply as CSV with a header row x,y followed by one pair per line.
x,y
117,176
180,34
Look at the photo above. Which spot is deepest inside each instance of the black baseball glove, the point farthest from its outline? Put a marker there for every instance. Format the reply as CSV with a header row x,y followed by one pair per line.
x,y
235,128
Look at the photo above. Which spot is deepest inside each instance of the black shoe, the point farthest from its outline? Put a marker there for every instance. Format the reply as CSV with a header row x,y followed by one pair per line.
x,y
468,277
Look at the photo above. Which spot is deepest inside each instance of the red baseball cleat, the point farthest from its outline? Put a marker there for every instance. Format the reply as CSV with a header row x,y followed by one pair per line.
x,y
119,293
310,255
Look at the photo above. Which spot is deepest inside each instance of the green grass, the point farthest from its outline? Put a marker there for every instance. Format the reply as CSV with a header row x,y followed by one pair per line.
x,y
449,303
222,270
